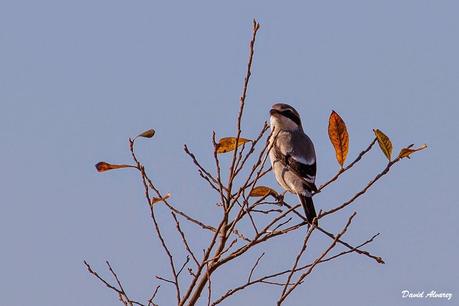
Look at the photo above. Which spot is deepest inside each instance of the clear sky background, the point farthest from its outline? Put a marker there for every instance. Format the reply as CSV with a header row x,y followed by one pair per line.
x,y
77,78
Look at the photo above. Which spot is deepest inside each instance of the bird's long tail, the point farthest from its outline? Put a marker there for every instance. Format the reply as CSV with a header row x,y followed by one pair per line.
x,y
308,206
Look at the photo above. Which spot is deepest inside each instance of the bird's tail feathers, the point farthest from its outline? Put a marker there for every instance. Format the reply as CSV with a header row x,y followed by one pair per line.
x,y
308,206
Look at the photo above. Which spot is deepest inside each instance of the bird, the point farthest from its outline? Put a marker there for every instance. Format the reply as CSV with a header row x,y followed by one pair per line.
x,y
292,156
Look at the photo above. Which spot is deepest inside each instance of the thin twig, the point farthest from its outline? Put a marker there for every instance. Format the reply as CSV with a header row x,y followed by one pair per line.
x,y
226,205
120,291
256,27
254,267
358,194
378,259
117,279
342,170
150,301
108,285
146,182
316,262
264,279
165,279
185,241
298,257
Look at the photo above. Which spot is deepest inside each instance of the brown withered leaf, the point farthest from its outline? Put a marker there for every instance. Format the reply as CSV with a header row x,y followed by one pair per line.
x,y
147,134
228,144
262,191
384,143
339,137
156,200
103,166
406,152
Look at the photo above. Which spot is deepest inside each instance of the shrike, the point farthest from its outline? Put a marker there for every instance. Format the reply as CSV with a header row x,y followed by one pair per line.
x,y
292,156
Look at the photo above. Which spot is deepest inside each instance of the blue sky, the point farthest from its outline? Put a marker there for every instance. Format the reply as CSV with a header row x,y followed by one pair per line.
x,y
77,78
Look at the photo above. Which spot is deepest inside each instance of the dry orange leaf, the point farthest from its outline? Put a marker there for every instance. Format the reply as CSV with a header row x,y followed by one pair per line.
x,y
147,134
339,137
406,152
262,191
384,143
103,166
228,144
156,200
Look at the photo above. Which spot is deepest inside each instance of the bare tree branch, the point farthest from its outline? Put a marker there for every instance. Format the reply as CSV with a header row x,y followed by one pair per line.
x,y
284,295
231,234
120,291
358,194
342,170
150,301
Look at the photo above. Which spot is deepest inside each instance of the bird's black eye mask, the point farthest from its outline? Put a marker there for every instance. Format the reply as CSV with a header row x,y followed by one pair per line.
x,y
291,115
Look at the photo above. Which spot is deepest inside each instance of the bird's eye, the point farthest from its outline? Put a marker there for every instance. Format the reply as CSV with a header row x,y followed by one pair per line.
x,y
291,115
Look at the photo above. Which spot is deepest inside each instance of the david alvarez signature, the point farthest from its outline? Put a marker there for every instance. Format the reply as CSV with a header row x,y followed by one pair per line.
x,y
429,295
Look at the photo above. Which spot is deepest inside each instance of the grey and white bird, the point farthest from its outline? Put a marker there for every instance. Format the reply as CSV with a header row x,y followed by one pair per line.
x,y
292,155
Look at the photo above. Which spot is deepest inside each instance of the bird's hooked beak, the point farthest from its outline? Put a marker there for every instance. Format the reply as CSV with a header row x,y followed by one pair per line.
x,y
273,112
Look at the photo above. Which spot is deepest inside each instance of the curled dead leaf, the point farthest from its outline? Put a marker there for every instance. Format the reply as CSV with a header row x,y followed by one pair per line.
x,y
384,143
228,144
339,137
147,134
406,152
156,200
103,166
262,191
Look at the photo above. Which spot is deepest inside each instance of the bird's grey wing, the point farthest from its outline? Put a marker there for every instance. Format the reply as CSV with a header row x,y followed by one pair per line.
x,y
301,159
305,171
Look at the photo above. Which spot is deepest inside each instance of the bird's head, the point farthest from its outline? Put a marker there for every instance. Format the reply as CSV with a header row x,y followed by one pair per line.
x,y
284,117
